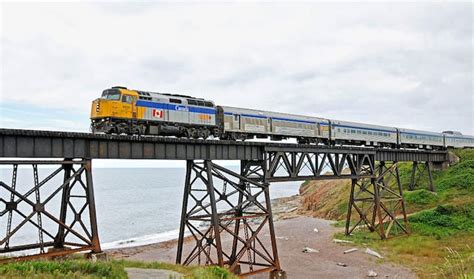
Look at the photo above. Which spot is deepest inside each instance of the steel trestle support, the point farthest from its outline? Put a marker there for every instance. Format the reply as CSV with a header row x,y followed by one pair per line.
x,y
296,165
62,209
227,218
418,171
378,202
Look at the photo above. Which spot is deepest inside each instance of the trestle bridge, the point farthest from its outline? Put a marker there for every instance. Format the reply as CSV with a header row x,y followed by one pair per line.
x,y
231,204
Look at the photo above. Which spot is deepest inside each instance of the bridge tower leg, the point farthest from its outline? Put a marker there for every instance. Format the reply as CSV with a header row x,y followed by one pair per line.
x,y
63,215
362,198
392,218
228,218
418,170
377,198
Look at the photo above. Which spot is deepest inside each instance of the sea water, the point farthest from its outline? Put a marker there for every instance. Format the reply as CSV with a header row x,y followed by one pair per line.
x,y
135,206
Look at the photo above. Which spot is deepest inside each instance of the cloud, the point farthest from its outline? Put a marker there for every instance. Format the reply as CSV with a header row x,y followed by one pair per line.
x,y
389,64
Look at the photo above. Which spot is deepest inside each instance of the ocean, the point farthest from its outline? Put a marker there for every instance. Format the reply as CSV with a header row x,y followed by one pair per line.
x,y
135,206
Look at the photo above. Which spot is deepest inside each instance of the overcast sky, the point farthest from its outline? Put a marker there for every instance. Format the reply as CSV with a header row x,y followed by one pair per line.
x,y
404,65
408,65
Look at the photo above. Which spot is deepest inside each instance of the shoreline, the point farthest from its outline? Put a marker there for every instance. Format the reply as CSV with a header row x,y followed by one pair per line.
x,y
282,208
294,231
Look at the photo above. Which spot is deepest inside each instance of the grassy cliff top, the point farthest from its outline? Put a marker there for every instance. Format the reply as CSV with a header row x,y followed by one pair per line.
x,y
441,223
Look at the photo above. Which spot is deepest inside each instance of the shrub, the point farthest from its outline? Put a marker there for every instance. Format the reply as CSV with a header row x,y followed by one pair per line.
x,y
420,197
444,220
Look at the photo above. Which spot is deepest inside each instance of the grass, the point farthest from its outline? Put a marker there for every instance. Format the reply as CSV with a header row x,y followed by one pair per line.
x,y
80,268
189,271
62,269
438,245
441,223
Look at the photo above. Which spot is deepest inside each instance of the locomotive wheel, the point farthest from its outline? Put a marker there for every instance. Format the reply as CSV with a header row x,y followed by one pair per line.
x,y
194,133
203,133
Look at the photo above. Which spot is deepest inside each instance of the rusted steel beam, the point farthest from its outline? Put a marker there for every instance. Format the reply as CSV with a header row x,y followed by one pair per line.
x,y
84,235
230,206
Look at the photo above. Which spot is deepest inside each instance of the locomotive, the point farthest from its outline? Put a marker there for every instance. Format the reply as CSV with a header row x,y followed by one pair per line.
x,y
124,111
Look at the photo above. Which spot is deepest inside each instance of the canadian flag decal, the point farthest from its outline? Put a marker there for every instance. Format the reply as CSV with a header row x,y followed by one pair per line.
x,y
157,113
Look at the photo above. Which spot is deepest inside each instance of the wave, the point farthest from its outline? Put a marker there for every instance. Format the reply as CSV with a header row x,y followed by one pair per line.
x,y
144,240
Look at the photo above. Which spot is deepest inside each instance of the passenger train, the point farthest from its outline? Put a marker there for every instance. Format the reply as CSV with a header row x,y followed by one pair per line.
x,y
123,111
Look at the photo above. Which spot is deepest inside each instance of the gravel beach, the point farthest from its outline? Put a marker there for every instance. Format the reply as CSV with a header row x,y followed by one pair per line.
x,y
294,233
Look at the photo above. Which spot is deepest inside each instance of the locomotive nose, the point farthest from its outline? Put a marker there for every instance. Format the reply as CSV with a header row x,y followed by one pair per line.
x,y
96,108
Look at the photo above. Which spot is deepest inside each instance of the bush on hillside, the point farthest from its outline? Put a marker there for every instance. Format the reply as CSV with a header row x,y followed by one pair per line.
x,y
459,176
464,154
420,197
444,220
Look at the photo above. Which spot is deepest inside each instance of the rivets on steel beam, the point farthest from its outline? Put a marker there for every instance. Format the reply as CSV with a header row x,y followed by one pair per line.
x,y
10,206
38,207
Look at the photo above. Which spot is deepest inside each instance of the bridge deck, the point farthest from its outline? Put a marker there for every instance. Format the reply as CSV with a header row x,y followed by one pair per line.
x,y
16,143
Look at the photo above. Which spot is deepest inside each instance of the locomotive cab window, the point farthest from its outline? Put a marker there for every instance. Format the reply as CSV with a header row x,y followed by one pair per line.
x,y
127,99
113,95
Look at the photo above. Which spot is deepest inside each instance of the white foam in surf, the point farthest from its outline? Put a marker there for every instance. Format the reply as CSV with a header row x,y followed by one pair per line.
x,y
144,240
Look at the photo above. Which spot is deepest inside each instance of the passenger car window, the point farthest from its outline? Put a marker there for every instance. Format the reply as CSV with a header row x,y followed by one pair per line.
x,y
175,101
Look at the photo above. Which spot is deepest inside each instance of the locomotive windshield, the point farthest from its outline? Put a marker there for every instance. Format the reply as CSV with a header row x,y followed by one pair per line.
x,y
111,95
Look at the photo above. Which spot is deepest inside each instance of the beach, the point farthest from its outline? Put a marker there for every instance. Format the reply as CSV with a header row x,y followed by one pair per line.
x,y
294,232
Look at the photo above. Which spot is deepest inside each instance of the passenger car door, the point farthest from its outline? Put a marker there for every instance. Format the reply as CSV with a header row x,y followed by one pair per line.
x,y
236,122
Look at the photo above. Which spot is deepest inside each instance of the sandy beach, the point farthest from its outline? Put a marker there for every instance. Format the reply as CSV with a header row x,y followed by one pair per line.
x,y
294,232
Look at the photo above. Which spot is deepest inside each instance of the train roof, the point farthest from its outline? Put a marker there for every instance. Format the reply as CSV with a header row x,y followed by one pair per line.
x,y
459,136
362,125
153,96
402,130
272,114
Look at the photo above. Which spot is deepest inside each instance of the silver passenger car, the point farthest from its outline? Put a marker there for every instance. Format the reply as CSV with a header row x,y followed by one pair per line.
x,y
358,133
240,122
420,139
458,141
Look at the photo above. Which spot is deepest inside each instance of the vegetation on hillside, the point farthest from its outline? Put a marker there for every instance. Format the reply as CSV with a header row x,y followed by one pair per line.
x,y
441,223
80,268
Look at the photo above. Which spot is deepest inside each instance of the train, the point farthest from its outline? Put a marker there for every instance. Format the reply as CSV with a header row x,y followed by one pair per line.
x,y
134,112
